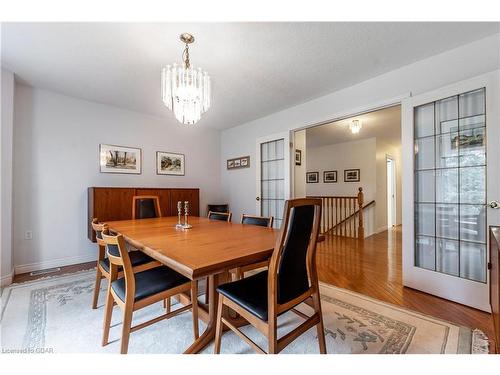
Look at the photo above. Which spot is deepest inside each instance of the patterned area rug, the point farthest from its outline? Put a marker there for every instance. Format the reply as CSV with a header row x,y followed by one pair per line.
x,y
53,315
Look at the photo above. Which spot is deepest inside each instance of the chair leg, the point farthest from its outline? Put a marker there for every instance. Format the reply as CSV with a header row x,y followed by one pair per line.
x,y
194,308
319,327
272,336
126,325
167,304
97,288
218,329
108,312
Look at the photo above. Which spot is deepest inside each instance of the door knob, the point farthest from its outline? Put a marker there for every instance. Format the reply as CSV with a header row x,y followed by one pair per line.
x,y
257,199
494,204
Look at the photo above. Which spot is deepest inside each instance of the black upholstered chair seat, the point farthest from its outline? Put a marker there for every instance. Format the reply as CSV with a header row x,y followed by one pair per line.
x,y
137,258
150,282
250,293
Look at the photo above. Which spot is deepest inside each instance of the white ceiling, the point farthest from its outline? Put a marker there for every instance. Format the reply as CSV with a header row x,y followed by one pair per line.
x,y
256,68
382,124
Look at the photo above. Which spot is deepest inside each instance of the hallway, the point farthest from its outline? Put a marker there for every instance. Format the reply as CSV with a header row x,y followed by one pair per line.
x,y
373,268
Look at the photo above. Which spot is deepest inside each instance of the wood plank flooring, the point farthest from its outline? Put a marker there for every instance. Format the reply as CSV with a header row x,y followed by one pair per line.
x,y
373,268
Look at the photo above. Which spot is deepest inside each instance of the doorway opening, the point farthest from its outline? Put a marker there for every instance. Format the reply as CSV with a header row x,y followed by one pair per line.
x,y
391,192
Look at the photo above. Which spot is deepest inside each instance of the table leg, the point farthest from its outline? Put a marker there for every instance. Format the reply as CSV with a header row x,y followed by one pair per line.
x,y
209,335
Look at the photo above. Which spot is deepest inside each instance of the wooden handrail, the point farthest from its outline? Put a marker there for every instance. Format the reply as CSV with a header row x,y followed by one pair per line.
x,y
337,210
352,215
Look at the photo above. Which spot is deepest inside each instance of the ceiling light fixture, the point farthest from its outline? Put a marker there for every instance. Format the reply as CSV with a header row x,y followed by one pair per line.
x,y
355,126
186,91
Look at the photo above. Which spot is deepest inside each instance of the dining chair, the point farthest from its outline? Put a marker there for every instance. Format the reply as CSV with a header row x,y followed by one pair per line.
x,y
135,291
291,280
145,207
139,260
221,216
218,207
263,221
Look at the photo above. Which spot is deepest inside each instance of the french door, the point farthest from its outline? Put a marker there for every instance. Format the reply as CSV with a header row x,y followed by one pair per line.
x,y
451,183
273,176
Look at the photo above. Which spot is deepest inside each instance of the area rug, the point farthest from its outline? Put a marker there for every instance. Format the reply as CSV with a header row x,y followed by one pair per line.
x,y
53,315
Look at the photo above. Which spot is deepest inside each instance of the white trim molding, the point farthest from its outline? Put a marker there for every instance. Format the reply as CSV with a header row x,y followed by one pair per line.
x,y
7,279
61,262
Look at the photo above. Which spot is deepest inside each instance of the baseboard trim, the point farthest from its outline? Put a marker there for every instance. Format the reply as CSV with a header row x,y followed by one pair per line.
x,y
61,262
7,279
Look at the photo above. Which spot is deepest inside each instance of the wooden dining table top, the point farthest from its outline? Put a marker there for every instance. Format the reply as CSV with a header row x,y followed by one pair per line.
x,y
209,247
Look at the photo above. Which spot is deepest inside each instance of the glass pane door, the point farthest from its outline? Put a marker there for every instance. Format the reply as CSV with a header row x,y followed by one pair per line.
x,y
450,185
272,179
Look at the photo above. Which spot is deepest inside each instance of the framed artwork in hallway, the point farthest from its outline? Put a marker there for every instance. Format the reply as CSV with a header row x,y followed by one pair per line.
x,y
351,175
312,177
329,176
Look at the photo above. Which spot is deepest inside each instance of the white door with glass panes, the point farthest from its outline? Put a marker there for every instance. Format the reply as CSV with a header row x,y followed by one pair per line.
x,y
273,176
451,182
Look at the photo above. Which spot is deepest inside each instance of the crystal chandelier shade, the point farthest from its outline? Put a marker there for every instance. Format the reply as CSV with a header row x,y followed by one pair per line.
x,y
355,126
186,91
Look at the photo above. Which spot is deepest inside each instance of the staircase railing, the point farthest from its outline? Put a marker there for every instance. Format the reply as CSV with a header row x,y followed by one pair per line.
x,y
343,215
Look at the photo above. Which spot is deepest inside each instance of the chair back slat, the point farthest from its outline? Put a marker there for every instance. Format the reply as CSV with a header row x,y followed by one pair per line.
x,y
293,257
145,207
221,216
262,221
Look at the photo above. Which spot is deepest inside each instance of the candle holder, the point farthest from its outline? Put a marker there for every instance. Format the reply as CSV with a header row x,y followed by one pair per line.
x,y
186,215
179,225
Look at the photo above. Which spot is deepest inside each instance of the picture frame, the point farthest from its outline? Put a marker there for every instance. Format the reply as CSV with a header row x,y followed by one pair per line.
x,y
312,177
329,177
170,163
352,175
298,157
120,159
237,163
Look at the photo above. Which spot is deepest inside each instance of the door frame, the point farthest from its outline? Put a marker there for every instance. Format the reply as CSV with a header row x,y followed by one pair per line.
x,y
472,293
393,188
287,163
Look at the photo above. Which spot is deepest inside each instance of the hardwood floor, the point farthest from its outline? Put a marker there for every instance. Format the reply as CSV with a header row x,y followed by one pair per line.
x,y
373,268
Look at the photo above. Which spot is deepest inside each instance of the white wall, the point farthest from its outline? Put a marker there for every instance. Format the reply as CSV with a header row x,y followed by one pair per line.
x,y
439,70
339,157
56,144
299,174
7,93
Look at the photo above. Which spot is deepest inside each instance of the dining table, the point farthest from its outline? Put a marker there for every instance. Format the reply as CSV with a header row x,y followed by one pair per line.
x,y
209,249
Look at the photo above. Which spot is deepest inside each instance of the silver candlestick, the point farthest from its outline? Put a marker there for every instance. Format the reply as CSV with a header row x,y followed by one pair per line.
x,y
186,214
179,213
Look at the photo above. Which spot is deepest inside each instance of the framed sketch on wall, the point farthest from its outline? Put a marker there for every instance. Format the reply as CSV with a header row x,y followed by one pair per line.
x,y
329,176
312,177
170,163
298,157
351,175
120,159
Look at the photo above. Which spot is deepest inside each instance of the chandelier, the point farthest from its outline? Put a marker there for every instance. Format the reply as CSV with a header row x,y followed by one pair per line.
x,y
185,90
355,126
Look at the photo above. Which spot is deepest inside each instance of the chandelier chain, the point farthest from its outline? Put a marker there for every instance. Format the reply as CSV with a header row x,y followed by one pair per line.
x,y
185,56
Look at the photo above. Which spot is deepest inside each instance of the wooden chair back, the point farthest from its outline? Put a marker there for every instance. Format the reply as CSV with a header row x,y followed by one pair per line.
x,y
221,216
118,256
263,221
99,228
292,269
145,207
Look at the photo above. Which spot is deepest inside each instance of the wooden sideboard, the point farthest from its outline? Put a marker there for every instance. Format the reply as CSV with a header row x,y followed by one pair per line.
x,y
495,282
115,203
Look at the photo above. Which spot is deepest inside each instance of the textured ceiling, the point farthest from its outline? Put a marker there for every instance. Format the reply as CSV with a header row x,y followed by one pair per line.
x,y
256,68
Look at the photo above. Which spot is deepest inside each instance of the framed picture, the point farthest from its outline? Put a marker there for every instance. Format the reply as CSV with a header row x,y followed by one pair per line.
x,y
170,163
329,176
298,157
312,177
236,163
351,175
120,159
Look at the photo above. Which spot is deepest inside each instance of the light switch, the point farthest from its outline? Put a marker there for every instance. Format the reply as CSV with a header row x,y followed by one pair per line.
x,y
28,235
